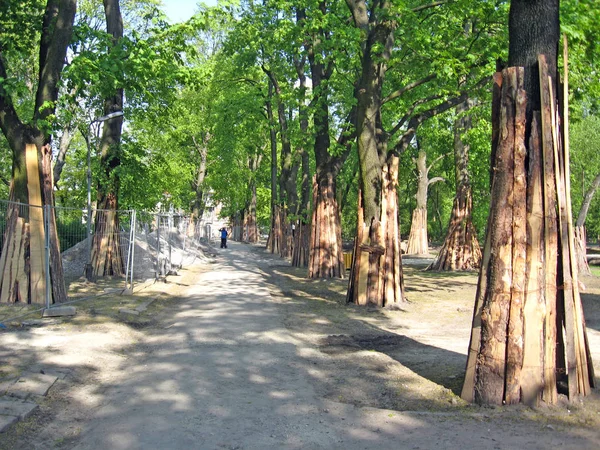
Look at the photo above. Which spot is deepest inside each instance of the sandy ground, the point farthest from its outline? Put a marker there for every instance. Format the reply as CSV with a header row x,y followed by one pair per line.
x,y
245,353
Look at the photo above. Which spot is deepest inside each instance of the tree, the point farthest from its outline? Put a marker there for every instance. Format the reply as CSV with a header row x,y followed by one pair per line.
x,y
585,170
528,327
460,250
580,233
325,245
418,242
301,230
106,258
377,277
29,142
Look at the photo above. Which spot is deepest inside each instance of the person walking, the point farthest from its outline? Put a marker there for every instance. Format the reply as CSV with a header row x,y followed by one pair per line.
x,y
223,237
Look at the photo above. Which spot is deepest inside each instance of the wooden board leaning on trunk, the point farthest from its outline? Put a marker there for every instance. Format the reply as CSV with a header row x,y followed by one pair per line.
x,y
37,275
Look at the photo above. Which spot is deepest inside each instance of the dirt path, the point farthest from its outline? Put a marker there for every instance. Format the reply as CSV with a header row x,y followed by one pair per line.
x,y
252,356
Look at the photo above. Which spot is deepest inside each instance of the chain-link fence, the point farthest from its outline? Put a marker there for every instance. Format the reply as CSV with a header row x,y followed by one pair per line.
x,y
109,248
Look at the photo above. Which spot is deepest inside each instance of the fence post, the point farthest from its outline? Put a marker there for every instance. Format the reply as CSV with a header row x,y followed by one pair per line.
x,y
133,225
46,211
128,264
158,270
170,239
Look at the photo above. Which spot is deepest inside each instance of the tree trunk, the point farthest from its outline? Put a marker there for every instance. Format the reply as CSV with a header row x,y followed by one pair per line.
x,y
251,224
377,277
63,147
418,242
301,230
580,234
581,248
107,258
325,248
377,273
288,197
326,259
199,203
22,262
274,240
461,249
528,330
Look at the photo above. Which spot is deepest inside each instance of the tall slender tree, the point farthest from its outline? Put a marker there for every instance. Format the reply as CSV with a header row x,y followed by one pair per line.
x,y
460,250
107,258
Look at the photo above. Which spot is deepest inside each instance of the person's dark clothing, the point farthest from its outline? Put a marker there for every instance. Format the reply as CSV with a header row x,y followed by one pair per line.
x,y
223,238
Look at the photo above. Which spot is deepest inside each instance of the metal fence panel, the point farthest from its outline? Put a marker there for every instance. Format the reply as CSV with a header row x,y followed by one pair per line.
x,y
152,245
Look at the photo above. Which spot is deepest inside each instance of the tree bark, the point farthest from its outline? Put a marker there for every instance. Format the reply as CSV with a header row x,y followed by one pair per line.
x,y
461,250
22,267
418,241
326,259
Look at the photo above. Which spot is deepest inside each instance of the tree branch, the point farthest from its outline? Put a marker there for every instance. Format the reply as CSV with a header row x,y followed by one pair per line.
x,y
418,119
346,139
360,14
435,180
410,112
56,35
407,88
436,160
430,5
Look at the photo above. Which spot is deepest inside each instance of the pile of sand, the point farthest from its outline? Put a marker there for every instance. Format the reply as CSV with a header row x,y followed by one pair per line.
x,y
152,257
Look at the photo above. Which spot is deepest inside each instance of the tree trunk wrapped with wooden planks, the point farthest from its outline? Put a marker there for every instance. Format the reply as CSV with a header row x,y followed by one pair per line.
x,y
528,331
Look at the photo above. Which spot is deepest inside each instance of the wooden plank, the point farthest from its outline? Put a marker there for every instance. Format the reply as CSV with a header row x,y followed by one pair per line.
x,y
490,372
6,242
21,277
585,368
10,248
353,290
12,214
37,279
532,381
468,389
59,293
514,351
550,394
363,273
570,340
